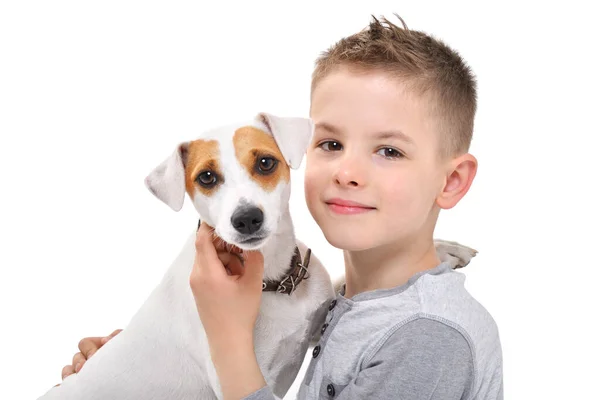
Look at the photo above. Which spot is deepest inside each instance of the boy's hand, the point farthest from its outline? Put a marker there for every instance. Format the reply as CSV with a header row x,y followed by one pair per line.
x,y
228,294
87,347
227,291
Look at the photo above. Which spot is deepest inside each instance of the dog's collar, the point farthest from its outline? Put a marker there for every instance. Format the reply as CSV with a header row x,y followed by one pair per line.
x,y
297,273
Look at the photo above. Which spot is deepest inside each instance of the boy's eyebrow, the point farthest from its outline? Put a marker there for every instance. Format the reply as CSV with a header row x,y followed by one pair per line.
x,y
395,134
327,127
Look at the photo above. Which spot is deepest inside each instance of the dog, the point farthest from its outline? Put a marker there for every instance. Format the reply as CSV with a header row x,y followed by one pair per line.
x,y
237,177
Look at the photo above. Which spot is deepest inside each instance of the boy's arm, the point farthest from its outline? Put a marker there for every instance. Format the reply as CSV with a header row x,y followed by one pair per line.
x,y
424,359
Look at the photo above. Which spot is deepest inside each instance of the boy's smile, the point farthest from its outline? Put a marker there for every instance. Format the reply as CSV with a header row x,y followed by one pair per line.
x,y
341,206
372,171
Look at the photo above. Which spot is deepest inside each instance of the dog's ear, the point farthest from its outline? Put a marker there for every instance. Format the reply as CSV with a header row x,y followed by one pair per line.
x,y
167,180
292,135
456,254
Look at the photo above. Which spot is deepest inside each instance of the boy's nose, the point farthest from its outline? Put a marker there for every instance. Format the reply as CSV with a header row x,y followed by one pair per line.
x,y
350,173
345,182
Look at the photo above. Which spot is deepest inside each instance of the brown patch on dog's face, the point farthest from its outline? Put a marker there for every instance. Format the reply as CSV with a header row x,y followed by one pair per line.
x,y
202,156
253,145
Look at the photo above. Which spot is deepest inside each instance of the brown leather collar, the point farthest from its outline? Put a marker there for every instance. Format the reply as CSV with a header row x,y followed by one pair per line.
x,y
297,273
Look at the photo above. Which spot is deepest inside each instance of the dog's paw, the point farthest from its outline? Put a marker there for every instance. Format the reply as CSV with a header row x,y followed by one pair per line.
x,y
458,255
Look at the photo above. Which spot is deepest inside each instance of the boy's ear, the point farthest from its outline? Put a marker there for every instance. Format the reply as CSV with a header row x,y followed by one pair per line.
x,y
167,179
292,135
459,177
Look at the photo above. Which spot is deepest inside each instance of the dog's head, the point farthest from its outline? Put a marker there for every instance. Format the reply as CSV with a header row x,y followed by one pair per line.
x,y
237,176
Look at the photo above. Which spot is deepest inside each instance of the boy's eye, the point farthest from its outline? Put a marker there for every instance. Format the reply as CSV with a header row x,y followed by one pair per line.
x,y
389,152
330,145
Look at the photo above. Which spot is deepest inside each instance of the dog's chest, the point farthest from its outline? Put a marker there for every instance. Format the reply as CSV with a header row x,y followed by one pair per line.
x,y
281,339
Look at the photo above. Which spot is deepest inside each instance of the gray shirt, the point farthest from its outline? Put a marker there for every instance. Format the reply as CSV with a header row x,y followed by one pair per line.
x,y
426,339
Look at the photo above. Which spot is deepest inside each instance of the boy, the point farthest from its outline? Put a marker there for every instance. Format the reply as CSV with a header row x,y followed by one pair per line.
x,y
393,112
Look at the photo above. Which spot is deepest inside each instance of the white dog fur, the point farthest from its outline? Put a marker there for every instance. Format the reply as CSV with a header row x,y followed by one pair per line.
x,y
163,352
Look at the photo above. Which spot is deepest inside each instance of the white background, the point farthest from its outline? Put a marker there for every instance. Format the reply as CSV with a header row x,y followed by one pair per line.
x,y
94,94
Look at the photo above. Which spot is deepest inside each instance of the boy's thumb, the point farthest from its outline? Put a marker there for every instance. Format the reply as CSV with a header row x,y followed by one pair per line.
x,y
254,265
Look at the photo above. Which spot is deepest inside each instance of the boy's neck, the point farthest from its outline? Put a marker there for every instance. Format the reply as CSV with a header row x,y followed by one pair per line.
x,y
387,266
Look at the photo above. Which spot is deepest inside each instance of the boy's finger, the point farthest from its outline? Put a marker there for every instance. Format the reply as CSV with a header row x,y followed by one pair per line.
x,y
220,244
206,254
236,266
204,236
254,265
66,371
225,258
78,361
231,262
88,346
112,335
255,258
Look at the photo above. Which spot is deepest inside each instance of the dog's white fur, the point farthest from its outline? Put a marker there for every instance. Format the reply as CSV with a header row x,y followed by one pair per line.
x,y
163,352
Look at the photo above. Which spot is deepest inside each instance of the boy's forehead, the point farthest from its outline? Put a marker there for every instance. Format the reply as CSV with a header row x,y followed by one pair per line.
x,y
371,103
366,83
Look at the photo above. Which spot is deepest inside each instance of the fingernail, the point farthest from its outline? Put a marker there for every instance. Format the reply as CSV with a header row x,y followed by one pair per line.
x,y
104,340
77,367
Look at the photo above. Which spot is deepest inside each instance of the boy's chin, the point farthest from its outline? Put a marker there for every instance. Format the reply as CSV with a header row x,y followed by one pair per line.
x,y
350,241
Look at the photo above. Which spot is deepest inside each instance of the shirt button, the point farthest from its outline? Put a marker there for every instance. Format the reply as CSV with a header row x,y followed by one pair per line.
x,y
316,351
323,328
330,390
333,303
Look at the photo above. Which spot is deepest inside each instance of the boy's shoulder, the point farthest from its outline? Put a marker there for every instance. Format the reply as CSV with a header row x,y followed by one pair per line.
x,y
438,295
445,298
447,323
431,323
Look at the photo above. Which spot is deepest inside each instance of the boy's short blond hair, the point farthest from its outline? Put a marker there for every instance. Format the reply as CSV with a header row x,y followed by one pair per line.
x,y
426,64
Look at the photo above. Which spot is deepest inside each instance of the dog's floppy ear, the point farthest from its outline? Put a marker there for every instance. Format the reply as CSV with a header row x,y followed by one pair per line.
x,y
292,135
167,180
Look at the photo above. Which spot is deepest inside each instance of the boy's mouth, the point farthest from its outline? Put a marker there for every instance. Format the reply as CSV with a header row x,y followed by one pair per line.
x,y
342,206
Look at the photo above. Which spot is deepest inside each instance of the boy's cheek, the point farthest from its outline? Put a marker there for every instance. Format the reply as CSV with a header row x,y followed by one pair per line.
x,y
311,176
312,190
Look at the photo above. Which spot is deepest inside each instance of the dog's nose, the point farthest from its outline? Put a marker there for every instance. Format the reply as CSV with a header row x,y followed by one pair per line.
x,y
247,220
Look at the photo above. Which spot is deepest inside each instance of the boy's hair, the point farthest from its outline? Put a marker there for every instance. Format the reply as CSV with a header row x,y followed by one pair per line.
x,y
426,64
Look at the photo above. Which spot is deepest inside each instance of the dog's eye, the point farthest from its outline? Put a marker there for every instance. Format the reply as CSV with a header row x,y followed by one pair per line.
x,y
266,164
207,178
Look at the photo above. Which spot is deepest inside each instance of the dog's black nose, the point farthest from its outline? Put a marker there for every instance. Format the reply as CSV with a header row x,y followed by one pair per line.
x,y
247,220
